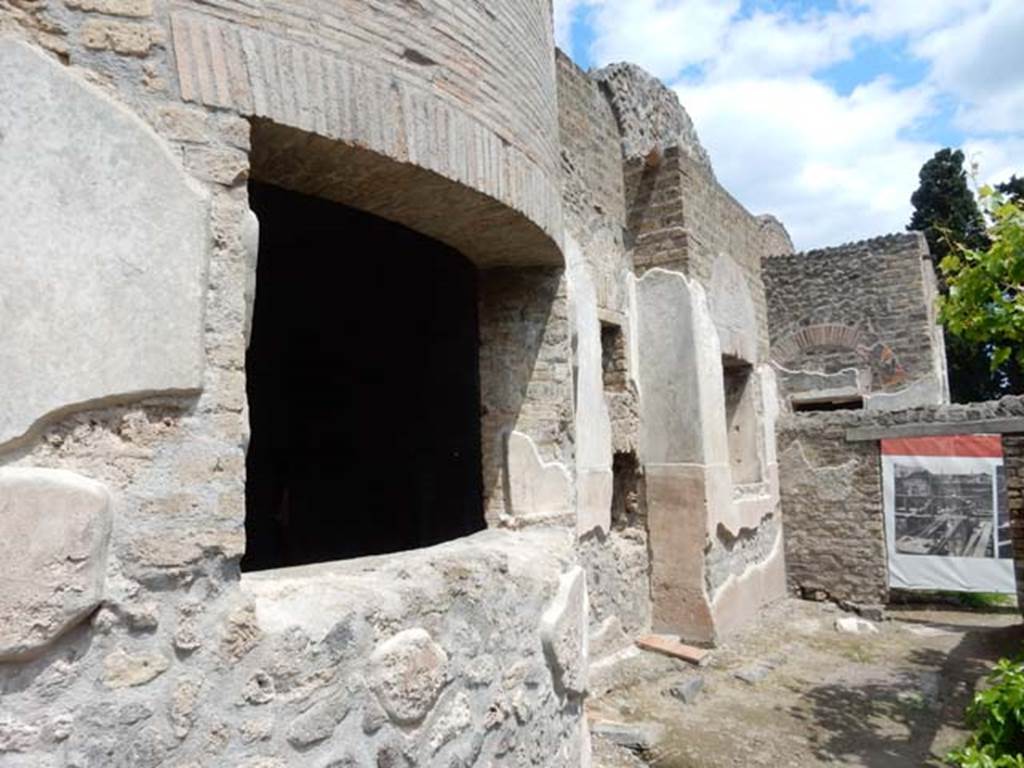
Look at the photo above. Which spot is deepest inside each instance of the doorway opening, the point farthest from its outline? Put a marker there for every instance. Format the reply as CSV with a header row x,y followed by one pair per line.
x,y
363,384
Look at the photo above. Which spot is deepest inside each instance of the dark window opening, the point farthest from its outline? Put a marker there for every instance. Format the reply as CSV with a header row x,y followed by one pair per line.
x,y
614,365
845,404
741,421
363,386
627,492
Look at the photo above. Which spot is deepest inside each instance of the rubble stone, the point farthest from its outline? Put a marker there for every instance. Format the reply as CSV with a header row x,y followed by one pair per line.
x,y
54,536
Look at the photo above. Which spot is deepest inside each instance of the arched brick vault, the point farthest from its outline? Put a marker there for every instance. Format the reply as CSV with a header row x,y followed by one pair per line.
x,y
486,231
407,104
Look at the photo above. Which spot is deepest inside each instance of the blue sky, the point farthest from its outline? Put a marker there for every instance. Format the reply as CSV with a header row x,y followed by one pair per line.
x,y
822,111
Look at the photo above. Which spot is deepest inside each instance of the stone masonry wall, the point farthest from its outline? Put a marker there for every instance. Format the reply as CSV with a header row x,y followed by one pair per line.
x,y
682,222
832,510
832,495
1013,460
131,638
866,305
600,270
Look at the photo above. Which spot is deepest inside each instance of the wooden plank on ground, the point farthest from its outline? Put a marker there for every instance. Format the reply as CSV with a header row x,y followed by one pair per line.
x,y
670,646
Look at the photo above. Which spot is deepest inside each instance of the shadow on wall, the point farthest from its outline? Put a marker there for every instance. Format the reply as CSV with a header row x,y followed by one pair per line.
x,y
421,351
523,341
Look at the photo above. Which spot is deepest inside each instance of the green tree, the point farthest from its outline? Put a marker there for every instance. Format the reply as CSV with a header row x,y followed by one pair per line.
x,y
1013,189
944,205
984,302
946,211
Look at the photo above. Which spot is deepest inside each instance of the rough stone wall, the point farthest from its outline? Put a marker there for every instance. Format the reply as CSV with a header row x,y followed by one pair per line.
x,y
649,115
832,494
1013,460
715,539
599,271
867,306
832,507
473,651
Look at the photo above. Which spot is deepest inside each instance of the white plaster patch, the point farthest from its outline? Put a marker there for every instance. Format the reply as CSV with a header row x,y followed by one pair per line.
x,y
564,633
740,597
54,535
680,373
732,309
593,424
536,487
926,391
103,251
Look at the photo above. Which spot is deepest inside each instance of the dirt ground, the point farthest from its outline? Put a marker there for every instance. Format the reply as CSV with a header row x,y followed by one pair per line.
x,y
819,696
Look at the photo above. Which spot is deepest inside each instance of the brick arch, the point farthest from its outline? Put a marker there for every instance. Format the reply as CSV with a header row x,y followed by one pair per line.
x,y
872,352
473,129
820,335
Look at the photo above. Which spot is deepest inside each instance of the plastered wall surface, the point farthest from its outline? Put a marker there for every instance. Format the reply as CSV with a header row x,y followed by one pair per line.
x,y
161,654
715,539
459,121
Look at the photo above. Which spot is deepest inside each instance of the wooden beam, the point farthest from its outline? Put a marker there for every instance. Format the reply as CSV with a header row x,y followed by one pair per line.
x,y
931,428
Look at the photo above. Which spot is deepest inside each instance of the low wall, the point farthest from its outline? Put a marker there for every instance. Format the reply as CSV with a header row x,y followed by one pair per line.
x,y
831,486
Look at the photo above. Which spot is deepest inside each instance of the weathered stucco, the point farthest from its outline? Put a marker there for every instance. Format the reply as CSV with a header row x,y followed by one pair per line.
x,y
54,535
628,404
104,249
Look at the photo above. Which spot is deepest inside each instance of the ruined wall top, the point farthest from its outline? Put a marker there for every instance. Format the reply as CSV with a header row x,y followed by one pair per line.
x,y
649,113
775,236
897,241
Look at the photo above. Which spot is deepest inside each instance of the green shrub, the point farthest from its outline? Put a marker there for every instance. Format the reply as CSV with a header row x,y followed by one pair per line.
x,y
997,717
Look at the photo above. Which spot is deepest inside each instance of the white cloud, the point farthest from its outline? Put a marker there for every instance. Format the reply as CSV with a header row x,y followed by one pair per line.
x,y
771,44
981,62
565,11
996,159
834,167
662,36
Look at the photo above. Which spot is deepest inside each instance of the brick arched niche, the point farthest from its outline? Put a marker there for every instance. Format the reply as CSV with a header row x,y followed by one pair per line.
x,y
831,349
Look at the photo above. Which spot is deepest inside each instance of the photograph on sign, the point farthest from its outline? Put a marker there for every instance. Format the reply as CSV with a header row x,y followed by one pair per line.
x,y
947,525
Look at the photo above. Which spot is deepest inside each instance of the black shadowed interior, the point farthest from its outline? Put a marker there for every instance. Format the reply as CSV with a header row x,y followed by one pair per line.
x,y
363,386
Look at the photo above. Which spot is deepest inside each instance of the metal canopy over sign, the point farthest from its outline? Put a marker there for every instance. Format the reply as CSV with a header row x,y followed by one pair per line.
x,y
946,520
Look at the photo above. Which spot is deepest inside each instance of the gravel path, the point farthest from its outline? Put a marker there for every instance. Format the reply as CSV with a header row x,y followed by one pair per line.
x,y
794,691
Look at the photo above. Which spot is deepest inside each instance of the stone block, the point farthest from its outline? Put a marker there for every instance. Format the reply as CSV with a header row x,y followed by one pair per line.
x,y
563,634
104,249
121,37
407,672
54,536
131,8
319,721
639,737
127,670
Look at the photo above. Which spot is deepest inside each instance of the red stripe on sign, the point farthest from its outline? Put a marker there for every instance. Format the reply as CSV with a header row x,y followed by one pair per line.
x,y
978,446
